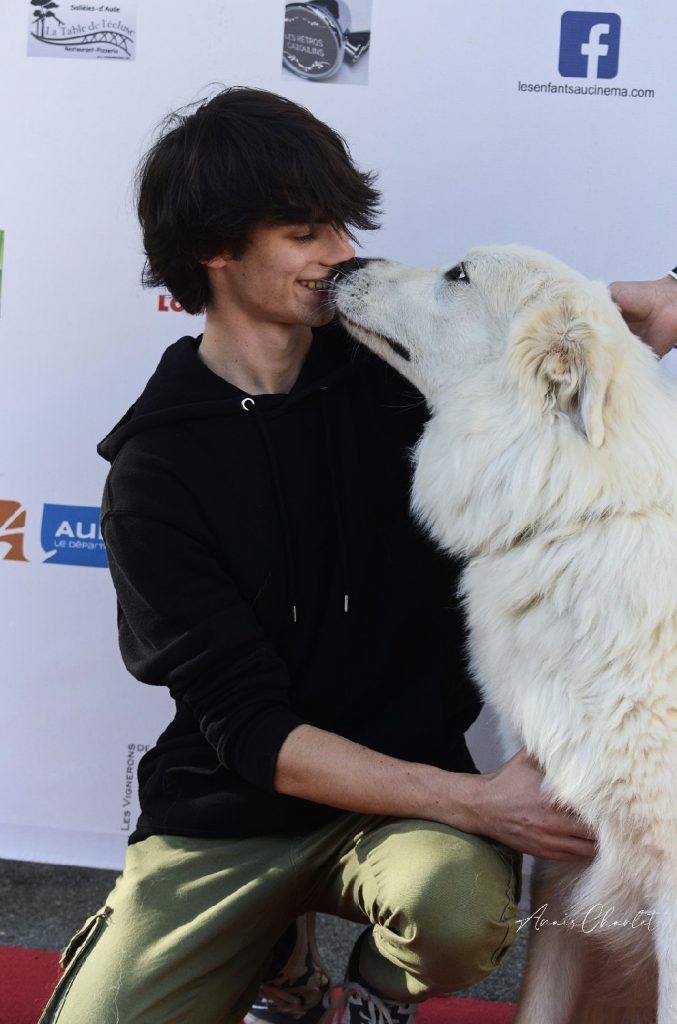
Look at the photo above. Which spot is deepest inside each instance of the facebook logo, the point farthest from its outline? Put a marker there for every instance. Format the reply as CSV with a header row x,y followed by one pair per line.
x,y
589,45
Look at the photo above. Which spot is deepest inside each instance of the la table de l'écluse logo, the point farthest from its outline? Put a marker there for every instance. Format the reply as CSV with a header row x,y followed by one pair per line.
x,y
82,30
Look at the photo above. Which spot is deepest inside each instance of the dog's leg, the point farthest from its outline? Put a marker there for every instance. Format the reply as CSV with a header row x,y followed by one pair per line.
x,y
665,936
552,979
555,966
615,989
577,978
569,981
601,1014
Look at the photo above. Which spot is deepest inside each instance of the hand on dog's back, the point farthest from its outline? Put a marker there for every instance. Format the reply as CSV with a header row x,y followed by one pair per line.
x,y
513,808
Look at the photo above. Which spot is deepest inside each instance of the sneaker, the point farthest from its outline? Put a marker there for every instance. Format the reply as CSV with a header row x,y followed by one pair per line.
x,y
357,1004
299,988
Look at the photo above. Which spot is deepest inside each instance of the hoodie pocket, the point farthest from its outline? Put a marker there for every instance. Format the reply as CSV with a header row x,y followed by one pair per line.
x,y
71,960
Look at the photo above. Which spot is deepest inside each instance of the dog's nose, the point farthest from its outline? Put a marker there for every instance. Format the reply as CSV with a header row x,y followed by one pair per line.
x,y
350,266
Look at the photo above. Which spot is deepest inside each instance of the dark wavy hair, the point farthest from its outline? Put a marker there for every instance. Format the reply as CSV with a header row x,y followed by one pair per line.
x,y
244,158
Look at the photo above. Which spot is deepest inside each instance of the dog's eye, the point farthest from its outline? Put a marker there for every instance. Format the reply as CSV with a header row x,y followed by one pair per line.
x,y
457,273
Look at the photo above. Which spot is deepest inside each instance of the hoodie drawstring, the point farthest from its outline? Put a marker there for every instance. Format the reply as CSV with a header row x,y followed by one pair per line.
x,y
249,405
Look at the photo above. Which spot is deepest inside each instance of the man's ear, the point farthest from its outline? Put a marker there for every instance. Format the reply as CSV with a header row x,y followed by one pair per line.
x,y
560,358
216,262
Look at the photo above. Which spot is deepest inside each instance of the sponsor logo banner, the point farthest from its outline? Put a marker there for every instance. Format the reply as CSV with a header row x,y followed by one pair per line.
x,y
71,535
328,40
589,55
589,45
130,802
81,30
166,302
12,526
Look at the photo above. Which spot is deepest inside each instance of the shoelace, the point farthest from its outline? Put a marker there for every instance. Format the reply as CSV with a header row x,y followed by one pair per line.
x,y
377,1011
297,997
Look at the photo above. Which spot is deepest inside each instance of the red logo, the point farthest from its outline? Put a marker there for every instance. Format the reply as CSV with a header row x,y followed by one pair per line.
x,y
12,525
166,302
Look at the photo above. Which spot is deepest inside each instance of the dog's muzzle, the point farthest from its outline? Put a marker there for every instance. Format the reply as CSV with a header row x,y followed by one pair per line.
x,y
342,273
350,266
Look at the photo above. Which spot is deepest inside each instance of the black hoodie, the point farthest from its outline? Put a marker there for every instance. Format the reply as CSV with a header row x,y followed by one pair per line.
x,y
269,574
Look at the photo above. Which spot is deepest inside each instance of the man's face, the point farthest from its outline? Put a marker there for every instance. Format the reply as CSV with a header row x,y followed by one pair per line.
x,y
279,277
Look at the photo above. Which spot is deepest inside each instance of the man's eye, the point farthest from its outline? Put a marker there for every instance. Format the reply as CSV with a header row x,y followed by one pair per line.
x,y
307,236
457,273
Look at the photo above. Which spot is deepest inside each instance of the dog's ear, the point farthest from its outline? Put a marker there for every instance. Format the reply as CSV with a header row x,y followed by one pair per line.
x,y
560,358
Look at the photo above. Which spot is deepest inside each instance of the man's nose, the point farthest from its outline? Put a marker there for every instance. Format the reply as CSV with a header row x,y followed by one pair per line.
x,y
339,249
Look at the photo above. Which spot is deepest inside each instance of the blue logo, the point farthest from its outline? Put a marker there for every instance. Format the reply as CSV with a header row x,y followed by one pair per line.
x,y
589,45
71,535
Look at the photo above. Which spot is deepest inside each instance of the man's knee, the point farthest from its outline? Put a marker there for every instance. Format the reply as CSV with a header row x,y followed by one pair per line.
x,y
455,922
470,946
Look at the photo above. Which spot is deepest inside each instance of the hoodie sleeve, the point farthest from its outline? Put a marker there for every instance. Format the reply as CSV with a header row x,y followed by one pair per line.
x,y
182,622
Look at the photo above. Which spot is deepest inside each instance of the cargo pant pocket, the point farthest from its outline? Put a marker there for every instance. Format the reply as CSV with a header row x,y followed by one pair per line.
x,y
72,959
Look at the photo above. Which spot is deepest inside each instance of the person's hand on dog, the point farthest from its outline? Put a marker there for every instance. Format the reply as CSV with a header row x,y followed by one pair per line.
x,y
514,809
649,309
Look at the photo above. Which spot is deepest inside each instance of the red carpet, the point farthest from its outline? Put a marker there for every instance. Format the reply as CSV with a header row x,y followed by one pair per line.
x,y
465,1011
27,977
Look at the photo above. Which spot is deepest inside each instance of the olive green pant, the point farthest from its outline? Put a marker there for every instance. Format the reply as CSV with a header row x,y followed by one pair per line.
x,y
188,931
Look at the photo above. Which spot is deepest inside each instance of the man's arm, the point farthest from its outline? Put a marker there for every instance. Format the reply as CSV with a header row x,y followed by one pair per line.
x,y
508,805
650,310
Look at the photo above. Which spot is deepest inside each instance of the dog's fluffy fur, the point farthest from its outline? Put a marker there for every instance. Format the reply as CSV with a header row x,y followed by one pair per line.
x,y
550,463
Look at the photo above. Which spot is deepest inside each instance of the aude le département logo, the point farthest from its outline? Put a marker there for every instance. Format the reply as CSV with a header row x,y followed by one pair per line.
x,y
69,534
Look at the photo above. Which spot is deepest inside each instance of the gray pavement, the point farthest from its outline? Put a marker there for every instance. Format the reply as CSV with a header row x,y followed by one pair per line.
x,y
41,905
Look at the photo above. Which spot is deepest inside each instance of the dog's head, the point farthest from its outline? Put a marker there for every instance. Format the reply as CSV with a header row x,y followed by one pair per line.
x,y
514,314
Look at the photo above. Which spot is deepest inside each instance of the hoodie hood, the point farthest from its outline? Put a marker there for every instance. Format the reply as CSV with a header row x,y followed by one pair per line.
x,y
184,388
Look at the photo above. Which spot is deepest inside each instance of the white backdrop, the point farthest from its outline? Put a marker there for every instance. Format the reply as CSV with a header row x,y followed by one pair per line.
x,y
466,155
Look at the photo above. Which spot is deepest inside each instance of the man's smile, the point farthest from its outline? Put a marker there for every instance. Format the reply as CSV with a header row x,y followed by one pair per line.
x,y
319,284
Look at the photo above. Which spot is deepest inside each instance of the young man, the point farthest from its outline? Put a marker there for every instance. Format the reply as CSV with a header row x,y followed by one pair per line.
x,y
268,573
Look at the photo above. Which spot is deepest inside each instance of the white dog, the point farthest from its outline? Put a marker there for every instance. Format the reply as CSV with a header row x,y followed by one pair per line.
x,y
550,464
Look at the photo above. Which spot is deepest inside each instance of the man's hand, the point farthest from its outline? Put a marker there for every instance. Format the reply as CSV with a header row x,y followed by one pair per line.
x,y
514,809
650,310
